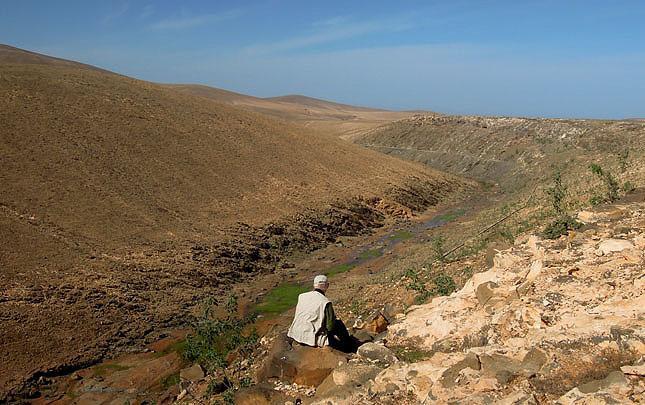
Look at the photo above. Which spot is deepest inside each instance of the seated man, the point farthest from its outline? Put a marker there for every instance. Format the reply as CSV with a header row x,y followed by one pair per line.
x,y
315,323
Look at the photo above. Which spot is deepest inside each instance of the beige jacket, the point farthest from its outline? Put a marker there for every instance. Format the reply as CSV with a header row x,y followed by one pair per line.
x,y
307,323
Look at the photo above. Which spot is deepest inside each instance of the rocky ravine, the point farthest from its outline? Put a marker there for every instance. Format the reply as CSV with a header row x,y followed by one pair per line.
x,y
552,321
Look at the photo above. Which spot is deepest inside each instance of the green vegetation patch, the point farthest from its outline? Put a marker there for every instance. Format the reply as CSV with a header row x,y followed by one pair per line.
x,y
451,216
410,354
178,347
281,299
105,369
170,380
444,284
402,234
371,254
339,268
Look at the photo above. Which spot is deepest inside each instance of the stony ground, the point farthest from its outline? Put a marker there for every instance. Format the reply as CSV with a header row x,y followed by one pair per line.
x,y
551,320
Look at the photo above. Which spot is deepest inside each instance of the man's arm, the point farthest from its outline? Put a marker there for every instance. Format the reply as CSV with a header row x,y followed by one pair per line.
x,y
330,317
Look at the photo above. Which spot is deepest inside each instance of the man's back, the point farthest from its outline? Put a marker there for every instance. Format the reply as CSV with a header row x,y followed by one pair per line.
x,y
308,320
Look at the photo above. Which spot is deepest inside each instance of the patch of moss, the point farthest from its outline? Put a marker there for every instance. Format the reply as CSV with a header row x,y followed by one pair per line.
x,y
281,298
451,216
170,380
401,234
339,268
104,369
410,354
371,254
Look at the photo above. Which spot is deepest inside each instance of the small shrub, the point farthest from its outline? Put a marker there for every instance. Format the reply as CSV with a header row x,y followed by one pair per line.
x,y
558,193
563,222
596,200
611,184
357,307
628,187
438,249
622,160
169,381
560,226
214,339
418,285
444,285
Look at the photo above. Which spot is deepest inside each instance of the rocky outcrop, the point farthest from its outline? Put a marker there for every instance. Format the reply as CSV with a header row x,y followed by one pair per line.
x,y
551,321
299,364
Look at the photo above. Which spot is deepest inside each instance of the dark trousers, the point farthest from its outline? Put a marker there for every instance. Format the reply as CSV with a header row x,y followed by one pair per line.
x,y
340,339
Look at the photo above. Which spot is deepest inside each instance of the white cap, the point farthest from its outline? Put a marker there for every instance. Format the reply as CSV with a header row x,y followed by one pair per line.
x,y
320,279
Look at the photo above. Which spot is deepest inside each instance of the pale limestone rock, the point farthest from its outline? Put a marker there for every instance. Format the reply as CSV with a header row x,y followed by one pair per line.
x,y
503,260
587,217
567,298
634,370
614,245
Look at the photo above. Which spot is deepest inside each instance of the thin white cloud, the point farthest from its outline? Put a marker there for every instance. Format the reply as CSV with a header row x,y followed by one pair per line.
x,y
194,21
335,29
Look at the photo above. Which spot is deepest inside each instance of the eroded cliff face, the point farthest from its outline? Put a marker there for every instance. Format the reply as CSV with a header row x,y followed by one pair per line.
x,y
513,152
551,320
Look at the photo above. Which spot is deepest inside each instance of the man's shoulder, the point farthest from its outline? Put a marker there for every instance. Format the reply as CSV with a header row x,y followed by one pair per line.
x,y
315,295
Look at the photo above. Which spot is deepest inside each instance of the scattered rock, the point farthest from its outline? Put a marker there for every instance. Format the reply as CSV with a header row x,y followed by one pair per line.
x,y
363,336
193,373
615,377
634,370
485,292
614,245
340,384
377,352
378,324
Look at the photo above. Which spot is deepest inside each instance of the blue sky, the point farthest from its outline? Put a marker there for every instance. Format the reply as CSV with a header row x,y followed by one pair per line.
x,y
529,58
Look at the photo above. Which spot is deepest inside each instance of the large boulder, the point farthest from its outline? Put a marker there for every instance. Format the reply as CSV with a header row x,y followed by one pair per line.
x,y
300,364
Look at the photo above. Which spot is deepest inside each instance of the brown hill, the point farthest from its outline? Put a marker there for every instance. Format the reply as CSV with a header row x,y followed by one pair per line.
x,y
338,119
11,55
124,203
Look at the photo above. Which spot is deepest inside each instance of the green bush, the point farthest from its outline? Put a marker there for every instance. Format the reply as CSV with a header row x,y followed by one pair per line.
x,y
558,193
438,249
628,187
214,339
563,222
560,226
611,185
444,285
418,285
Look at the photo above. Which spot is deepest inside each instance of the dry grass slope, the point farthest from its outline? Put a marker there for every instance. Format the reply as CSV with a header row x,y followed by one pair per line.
x,y
345,121
113,189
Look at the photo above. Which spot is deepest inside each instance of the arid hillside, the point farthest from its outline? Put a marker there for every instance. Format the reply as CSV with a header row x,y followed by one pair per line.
x,y
10,54
345,121
124,203
514,152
